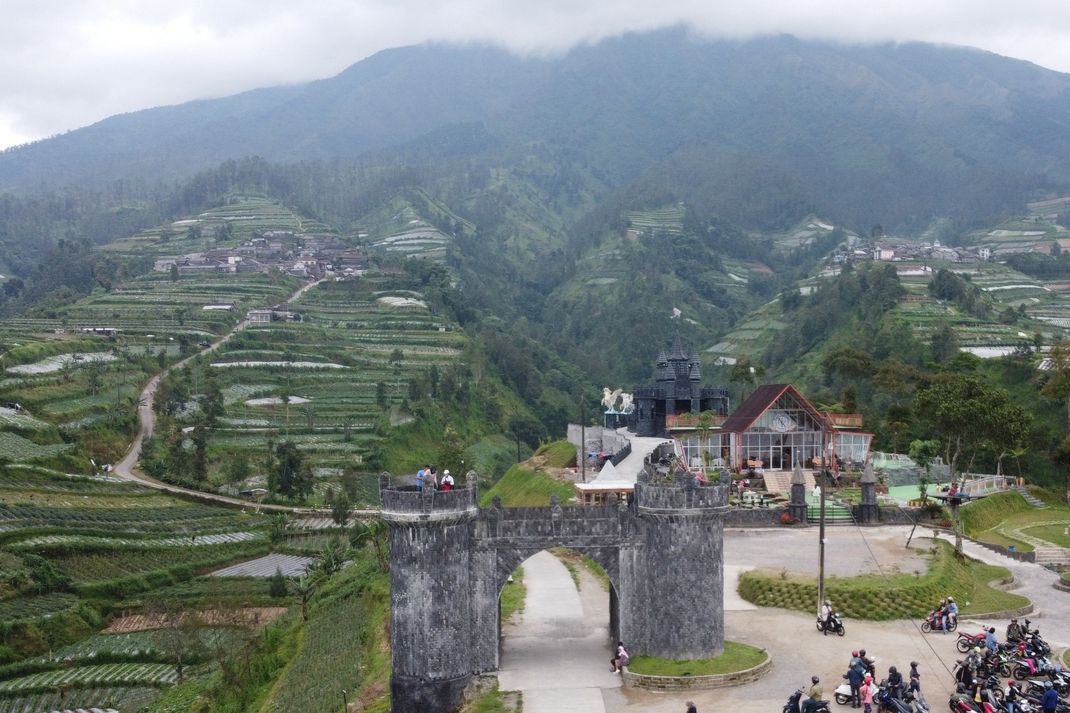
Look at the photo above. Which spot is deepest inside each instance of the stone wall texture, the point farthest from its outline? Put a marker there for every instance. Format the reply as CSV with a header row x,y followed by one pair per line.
x,y
449,560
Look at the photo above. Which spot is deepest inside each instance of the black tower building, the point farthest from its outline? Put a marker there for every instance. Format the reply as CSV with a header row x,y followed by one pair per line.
x,y
677,389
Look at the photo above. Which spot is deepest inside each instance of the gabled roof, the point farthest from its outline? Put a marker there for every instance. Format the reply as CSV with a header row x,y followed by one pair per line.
x,y
759,401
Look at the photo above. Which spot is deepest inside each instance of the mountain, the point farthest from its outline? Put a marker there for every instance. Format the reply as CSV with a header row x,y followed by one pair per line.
x,y
759,131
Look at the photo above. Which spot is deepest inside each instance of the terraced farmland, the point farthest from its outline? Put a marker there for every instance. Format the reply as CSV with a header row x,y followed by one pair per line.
x,y
272,389
95,539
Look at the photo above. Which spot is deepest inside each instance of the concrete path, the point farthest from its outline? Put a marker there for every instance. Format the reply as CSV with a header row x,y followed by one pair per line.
x,y
628,469
1052,607
559,659
557,654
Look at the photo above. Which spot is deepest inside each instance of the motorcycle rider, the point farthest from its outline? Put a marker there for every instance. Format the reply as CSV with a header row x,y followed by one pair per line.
x,y
1014,631
870,664
1010,698
951,612
813,696
826,616
973,660
895,683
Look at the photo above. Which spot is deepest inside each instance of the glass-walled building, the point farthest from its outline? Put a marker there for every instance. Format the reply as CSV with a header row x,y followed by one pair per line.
x,y
777,427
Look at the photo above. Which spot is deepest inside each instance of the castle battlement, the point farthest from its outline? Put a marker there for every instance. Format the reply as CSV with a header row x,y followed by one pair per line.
x,y
409,505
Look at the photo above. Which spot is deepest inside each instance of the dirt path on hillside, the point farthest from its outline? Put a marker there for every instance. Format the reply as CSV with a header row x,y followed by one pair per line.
x,y
146,417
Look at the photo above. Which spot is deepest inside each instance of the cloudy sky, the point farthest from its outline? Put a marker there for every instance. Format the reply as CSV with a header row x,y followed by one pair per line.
x,y
69,63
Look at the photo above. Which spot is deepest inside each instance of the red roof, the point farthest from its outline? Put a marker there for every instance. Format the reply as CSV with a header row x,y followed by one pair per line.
x,y
759,402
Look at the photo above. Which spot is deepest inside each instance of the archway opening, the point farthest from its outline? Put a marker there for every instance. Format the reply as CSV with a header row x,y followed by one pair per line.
x,y
563,636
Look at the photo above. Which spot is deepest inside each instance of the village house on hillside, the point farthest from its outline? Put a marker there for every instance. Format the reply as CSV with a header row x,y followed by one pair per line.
x,y
315,256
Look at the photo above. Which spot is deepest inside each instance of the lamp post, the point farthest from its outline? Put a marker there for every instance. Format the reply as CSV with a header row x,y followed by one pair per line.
x,y
345,701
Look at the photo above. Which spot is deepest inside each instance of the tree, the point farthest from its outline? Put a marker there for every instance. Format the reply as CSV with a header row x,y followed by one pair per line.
x,y
277,585
303,587
340,507
373,531
958,409
944,344
396,359
174,272
293,475
277,528
179,637
451,451
923,453
745,372
200,454
238,470
331,558
1057,386
380,395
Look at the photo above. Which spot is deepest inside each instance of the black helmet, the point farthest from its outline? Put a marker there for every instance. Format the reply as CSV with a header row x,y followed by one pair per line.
x,y
891,669
815,679
913,664
861,652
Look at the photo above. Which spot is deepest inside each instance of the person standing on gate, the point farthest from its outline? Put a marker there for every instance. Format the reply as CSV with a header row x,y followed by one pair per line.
x,y
421,477
447,481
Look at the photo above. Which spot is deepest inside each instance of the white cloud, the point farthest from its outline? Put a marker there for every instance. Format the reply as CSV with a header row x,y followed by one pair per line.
x,y
65,64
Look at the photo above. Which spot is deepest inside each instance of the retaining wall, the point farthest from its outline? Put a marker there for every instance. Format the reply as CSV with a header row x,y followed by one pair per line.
x,y
687,683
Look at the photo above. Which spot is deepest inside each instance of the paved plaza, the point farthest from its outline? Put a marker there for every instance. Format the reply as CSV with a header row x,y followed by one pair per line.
x,y
557,651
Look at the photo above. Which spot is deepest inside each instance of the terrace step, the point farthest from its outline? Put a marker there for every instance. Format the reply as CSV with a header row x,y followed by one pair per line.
x,y
1029,497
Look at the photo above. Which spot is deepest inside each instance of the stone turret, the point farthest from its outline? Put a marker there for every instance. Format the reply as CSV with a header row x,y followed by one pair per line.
x,y
797,504
681,563
869,512
430,542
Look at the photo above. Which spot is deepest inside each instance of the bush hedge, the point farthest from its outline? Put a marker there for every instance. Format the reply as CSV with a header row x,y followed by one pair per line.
x,y
897,596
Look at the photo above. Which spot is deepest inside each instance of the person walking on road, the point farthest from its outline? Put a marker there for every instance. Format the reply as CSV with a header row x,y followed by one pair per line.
x,y
691,707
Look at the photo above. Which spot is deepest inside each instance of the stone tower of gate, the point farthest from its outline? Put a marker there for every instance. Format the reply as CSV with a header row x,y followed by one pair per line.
x,y
662,552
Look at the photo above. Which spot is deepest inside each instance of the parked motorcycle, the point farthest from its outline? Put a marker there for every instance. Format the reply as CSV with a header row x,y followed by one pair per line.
x,y
835,625
968,641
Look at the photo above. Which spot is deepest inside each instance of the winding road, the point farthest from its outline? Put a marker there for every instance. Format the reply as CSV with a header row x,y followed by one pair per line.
x,y
126,468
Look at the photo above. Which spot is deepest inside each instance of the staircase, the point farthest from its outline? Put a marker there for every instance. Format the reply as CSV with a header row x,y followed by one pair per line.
x,y
1056,557
1029,498
835,513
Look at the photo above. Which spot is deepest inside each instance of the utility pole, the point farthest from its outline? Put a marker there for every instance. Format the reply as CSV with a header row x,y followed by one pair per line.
x,y
821,529
583,438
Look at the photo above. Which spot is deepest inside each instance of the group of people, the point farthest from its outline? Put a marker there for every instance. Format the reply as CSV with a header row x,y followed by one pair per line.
x,y
427,477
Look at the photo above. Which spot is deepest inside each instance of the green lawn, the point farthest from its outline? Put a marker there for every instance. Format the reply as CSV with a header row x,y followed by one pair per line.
x,y
736,657
892,597
992,518
1056,534
514,594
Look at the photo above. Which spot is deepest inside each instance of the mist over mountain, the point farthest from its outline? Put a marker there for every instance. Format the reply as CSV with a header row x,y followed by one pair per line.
x,y
758,131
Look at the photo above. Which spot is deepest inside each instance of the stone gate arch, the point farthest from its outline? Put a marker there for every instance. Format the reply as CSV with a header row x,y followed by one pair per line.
x,y
449,559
